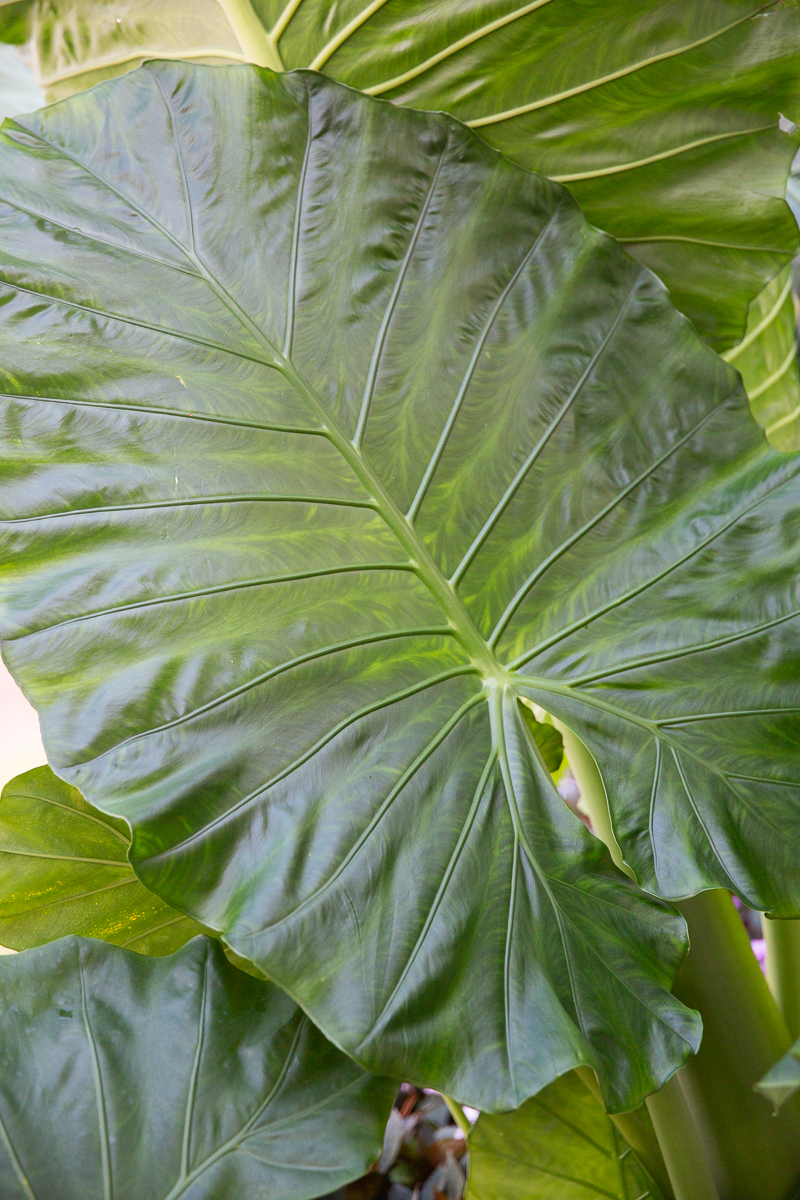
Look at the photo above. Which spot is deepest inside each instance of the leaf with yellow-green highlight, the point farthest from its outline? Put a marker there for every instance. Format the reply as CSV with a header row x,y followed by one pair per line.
x,y
560,1145
64,869
767,359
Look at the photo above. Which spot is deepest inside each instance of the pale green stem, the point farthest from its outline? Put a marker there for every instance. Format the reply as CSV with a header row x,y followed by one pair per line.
x,y
680,1144
752,1155
251,34
459,1116
783,969
593,793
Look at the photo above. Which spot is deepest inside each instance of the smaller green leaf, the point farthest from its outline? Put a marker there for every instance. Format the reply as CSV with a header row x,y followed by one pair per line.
x,y
64,869
767,359
782,1081
547,738
173,1078
560,1145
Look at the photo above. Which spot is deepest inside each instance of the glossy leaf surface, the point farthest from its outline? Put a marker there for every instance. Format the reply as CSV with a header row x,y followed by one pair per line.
x,y
662,118
328,434
166,1078
558,1146
64,869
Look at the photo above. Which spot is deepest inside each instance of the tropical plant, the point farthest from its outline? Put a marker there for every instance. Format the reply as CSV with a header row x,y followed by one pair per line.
x,y
343,460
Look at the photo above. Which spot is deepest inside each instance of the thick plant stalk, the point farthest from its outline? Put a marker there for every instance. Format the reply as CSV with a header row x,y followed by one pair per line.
x,y
251,34
783,969
753,1155
682,1148
459,1116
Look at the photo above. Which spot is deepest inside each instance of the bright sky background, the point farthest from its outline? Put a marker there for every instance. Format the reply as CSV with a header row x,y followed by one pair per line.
x,y
20,741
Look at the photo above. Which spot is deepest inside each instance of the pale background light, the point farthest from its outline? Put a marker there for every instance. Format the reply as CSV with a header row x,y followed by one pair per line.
x,y
21,746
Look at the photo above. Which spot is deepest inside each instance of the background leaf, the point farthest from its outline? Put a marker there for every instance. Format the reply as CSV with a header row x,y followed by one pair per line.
x,y
289,310
154,1079
662,118
558,1146
64,869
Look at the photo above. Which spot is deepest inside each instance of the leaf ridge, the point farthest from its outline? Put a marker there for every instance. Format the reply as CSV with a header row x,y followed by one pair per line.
x,y
290,664
696,812
217,589
516,482
16,1165
569,542
417,762
683,651
494,118
177,413
470,371
350,28
328,737
96,239
291,299
67,808
618,168
631,593
102,1120
377,352
140,937
517,1161
191,1095
191,502
469,39
446,877
732,354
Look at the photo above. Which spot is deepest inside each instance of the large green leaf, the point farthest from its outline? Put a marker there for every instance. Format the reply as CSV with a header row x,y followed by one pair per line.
x,y
661,117
64,869
329,433
558,1146
164,1078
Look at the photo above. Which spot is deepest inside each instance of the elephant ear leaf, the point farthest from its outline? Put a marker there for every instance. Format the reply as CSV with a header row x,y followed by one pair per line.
x,y
64,869
160,1078
560,1145
330,435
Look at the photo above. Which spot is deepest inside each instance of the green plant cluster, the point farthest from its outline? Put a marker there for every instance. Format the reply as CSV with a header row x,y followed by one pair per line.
x,y
354,453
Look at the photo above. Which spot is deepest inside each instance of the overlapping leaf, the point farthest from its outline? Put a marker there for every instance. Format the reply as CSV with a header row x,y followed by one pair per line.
x,y
64,869
168,1078
558,1146
662,118
328,434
